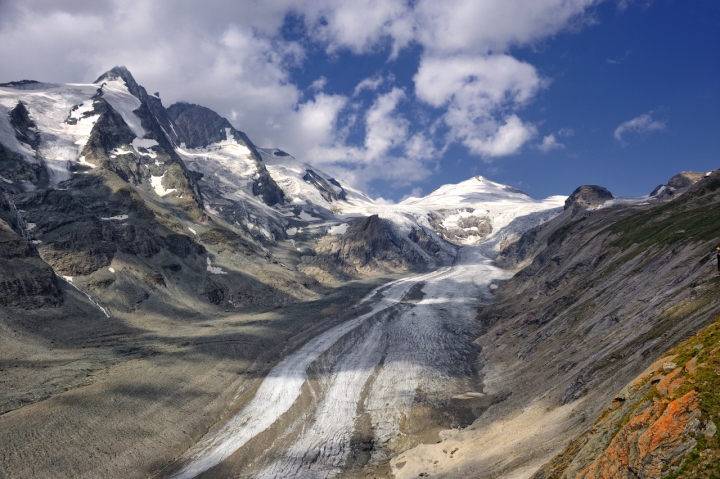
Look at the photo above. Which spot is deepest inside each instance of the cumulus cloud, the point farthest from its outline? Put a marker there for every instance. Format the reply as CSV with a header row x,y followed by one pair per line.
x,y
232,57
549,143
640,124
414,193
623,5
319,84
370,83
478,92
388,151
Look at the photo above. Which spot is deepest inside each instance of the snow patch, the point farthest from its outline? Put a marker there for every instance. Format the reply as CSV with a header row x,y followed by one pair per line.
x,y
156,182
144,143
117,94
291,231
338,229
115,218
306,217
193,231
112,270
82,161
214,270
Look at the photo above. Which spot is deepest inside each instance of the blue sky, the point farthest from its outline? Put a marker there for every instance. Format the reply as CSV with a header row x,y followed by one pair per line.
x,y
400,97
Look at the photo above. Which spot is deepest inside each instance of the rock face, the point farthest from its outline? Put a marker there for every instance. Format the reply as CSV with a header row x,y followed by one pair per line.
x,y
26,281
677,185
152,102
25,128
603,294
364,248
367,247
587,196
661,423
199,127
328,192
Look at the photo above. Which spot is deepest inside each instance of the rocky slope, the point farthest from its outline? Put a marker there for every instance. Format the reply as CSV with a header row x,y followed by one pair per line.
x,y
604,292
662,424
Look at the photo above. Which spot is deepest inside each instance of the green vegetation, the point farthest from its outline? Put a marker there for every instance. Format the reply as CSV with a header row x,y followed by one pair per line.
x,y
681,220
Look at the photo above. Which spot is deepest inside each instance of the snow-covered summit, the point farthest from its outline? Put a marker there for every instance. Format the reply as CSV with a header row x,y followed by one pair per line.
x,y
267,192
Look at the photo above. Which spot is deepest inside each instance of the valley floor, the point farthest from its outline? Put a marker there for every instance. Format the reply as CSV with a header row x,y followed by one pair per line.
x,y
84,396
373,386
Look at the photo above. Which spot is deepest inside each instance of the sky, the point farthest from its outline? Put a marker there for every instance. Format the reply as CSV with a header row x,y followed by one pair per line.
x,y
398,97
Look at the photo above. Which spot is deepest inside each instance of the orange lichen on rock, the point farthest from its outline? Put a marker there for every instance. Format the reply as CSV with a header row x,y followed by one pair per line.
x,y
664,385
691,366
669,437
613,462
654,437
675,385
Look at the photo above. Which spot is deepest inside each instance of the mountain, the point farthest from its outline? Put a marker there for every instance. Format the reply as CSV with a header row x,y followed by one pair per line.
x,y
602,292
155,265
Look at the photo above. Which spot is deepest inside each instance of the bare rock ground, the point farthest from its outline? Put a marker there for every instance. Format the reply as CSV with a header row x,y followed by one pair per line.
x,y
88,396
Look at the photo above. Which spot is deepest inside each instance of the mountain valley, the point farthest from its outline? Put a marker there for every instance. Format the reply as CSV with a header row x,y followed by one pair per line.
x,y
178,302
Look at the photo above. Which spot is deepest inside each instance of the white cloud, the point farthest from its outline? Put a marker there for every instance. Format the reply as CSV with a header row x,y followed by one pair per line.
x,y
319,84
481,27
640,124
478,93
623,5
370,83
383,201
549,143
414,193
231,57
384,130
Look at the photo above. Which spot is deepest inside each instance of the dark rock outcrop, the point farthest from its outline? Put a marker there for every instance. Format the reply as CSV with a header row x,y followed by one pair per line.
x,y
15,170
199,127
25,127
153,102
677,185
26,281
326,191
587,196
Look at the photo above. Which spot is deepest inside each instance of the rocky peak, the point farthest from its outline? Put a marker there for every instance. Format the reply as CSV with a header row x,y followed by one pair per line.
x,y
122,73
323,186
587,196
198,127
25,128
153,102
677,185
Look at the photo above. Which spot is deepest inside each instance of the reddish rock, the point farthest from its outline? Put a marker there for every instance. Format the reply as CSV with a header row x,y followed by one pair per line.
x,y
664,385
651,439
